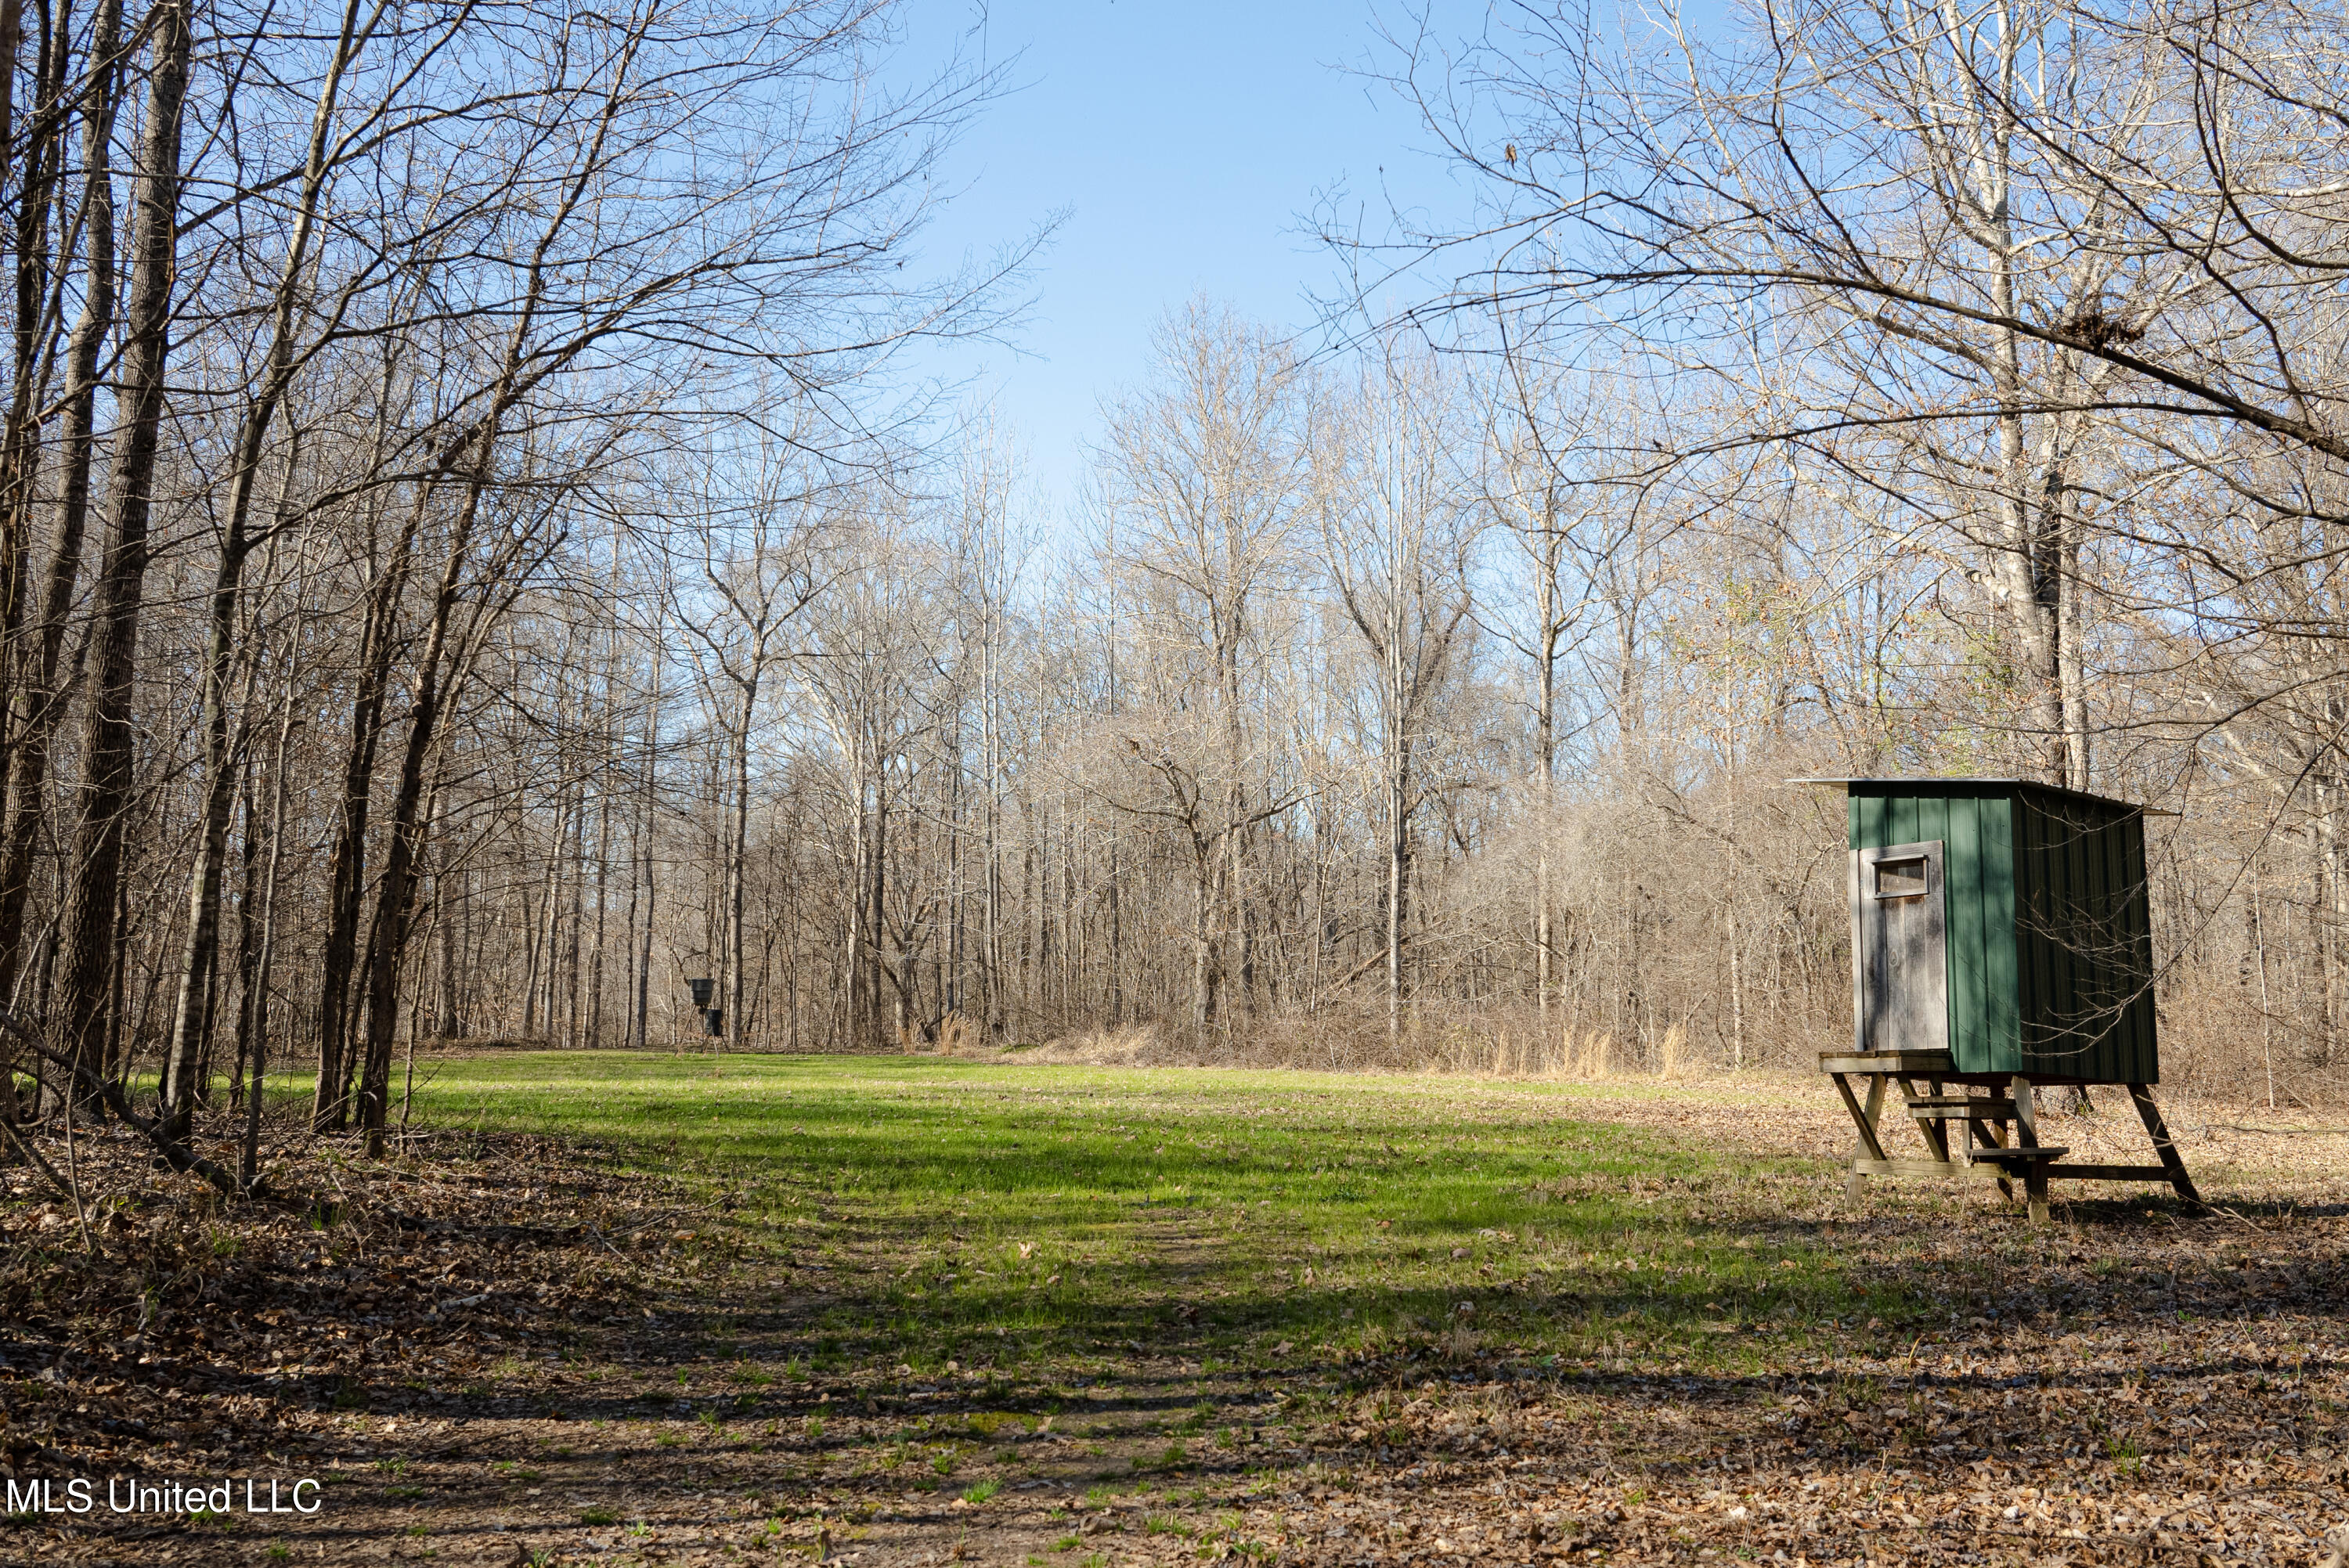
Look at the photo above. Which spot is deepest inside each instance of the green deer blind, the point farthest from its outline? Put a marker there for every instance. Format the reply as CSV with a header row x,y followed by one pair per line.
x,y
2004,922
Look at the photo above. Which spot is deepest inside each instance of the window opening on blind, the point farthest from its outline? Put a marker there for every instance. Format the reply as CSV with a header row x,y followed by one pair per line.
x,y
1900,879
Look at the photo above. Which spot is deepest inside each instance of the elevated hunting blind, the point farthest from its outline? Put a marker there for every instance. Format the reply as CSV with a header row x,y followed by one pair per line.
x,y
713,1019
2001,940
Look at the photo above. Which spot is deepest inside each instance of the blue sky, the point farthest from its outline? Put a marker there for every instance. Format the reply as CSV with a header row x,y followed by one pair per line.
x,y
1188,143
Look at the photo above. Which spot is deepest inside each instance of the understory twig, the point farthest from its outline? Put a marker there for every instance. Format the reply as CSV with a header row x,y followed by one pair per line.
x,y
73,1175
177,1154
16,1141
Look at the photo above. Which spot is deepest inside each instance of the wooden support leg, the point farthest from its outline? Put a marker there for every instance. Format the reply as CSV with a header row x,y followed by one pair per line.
x,y
2171,1162
2026,1133
1937,1137
1868,1147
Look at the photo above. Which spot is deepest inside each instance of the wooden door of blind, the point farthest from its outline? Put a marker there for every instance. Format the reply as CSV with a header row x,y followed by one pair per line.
x,y
1900,961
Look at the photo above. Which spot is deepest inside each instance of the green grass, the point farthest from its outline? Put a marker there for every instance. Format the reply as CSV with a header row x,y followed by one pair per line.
x,y
1030,1215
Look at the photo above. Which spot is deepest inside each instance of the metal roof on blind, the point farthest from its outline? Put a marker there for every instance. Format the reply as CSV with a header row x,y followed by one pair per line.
x,y
1915,781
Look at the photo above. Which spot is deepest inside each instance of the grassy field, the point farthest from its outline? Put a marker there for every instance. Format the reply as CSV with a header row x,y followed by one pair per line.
x,y
898,1312
1059,1217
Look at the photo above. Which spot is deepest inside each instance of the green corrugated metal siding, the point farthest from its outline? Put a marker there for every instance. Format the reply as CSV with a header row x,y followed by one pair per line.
x,y
2002,1011
2050,937
1968,919
2143,1046
2088,941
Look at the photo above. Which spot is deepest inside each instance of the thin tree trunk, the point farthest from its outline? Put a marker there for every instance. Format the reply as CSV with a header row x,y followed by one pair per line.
x,y
247,930
2070,631
738,849
594,1023
644,953
264,964
450,1023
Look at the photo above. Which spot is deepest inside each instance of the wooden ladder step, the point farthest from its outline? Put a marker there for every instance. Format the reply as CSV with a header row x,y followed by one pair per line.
x,y
1982,1171
1960,1107
2027,1155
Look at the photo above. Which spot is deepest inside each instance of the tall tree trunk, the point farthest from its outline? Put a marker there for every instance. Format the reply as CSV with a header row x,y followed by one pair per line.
x,y
1546,758
43,693
572,971
1398,879
950,998
2025,567
198,962
387,933
530,951
1205,864
449,1023
594,1020
851,989
110,737
347,866
877,922
993,935
1397,724
35,159
546,962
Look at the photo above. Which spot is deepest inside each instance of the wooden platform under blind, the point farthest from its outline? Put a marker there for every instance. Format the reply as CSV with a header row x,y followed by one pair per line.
x,y
1977,1127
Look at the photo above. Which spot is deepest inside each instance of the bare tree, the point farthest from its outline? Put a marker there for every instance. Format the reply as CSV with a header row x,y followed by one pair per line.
x,y
763,579
1398,523
1206,476
2020,254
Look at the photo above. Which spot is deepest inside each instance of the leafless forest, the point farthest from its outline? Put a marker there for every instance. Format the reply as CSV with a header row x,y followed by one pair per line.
x,y
474,555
